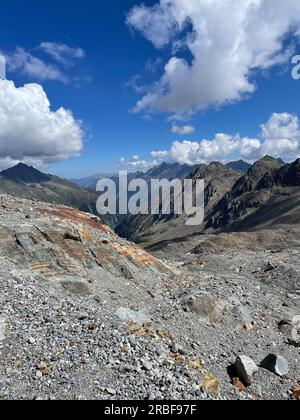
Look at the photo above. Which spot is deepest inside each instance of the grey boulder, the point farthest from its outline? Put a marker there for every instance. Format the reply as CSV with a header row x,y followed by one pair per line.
x,y
276,364
246,368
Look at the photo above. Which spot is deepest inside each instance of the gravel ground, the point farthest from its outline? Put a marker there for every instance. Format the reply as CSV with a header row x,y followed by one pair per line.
x,y
137,328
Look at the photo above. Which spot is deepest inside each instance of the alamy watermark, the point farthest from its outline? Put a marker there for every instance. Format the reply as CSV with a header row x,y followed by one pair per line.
x,y
155,197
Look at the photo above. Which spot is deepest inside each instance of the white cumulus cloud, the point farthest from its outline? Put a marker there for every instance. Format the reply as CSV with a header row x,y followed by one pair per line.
x,y
31,132
282,136
183,130
160,154
221,148
230,42
137,164
279,137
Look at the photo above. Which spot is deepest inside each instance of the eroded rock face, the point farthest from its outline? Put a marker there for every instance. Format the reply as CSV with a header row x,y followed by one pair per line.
x,y
74,253
65,245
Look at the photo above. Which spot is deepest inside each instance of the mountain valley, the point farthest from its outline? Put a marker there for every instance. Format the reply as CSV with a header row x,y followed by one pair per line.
x,y
87,315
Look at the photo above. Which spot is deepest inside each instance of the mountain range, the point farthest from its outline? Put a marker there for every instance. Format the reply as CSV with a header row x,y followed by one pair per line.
x,y
111,315
266,196
144,229
238,197
163,171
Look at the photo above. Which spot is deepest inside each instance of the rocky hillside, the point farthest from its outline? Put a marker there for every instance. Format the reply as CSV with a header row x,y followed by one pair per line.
x,y
219,179
268,195
87,315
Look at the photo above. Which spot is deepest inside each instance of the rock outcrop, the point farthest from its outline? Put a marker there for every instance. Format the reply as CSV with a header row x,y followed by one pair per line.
x,y
268,195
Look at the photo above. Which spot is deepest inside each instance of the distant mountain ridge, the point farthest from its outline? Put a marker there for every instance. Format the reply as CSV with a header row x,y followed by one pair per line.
x,y
27,182
170,171
163,171
244,167
239,165
268,194
90,182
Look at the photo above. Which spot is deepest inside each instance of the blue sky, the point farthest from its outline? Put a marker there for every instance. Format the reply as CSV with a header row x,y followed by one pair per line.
x,y
100,92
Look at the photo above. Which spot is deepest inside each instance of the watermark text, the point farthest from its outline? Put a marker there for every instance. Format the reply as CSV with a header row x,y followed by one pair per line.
x,y
155,197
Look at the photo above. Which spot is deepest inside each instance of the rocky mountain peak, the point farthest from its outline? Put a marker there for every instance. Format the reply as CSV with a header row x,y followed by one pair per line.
x,y
25,174
216,165
169,171
297,162
239,165
289,175
214,170
261,167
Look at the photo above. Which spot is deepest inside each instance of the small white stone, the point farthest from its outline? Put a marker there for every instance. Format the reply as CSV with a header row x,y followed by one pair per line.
x,y
147,365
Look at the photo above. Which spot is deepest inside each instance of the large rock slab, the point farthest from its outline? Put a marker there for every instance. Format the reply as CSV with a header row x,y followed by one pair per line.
x,y
65,245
